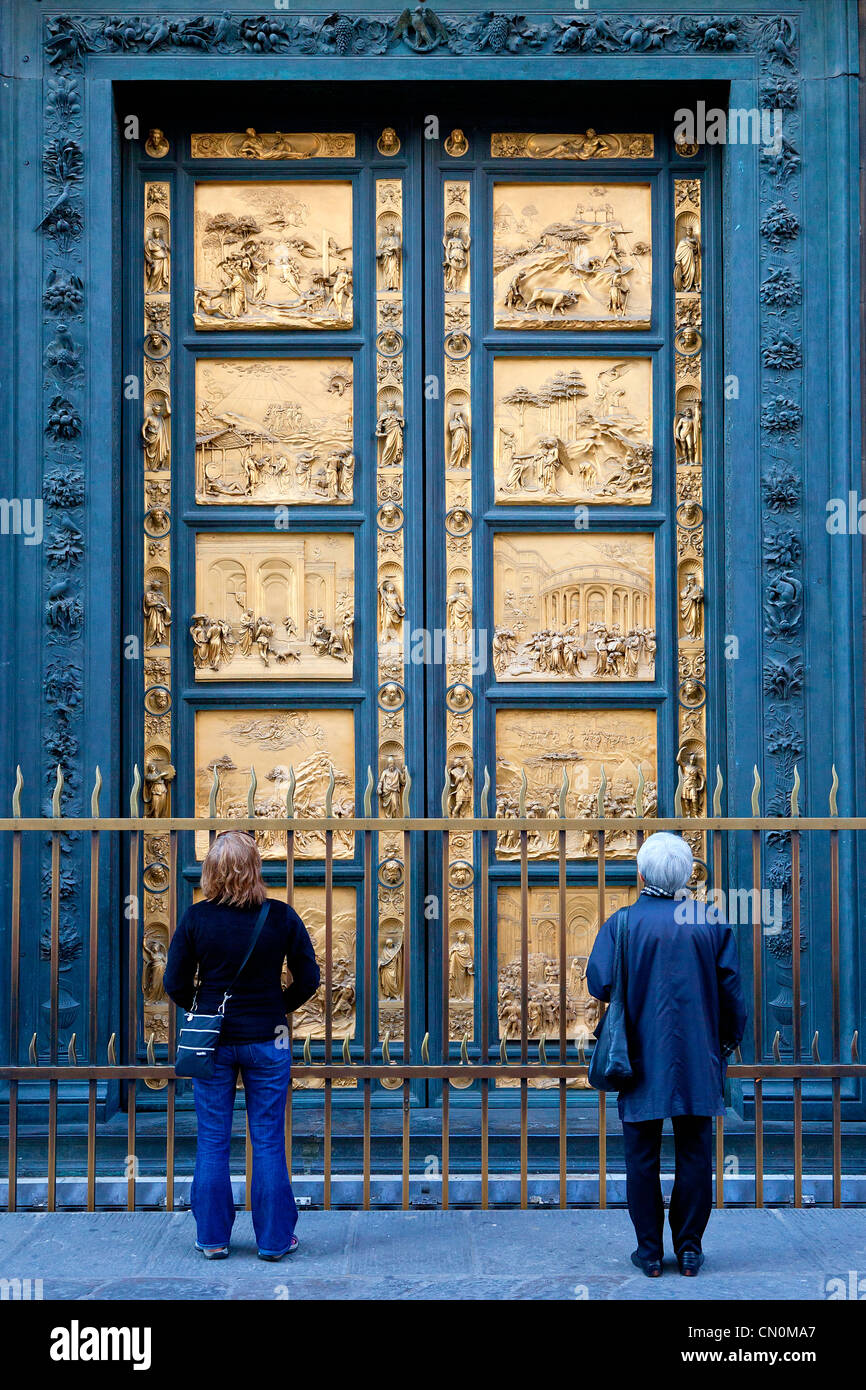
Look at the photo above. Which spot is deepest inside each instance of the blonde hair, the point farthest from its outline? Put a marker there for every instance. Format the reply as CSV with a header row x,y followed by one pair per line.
x,y
232,871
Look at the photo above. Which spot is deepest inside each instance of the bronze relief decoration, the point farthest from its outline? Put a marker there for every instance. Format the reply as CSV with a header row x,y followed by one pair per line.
x,y
601,750
278,605
274,430
572,255
251,144
573,429
573,608
156,440
273,255
264,746
589,145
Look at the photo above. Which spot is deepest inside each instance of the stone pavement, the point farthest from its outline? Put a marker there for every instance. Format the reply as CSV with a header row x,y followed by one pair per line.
x,y
504,1255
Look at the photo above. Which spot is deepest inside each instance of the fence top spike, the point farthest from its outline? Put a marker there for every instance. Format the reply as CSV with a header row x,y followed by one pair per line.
x,y
71,1053
94,795
485,792
112,1055
855,1051
290,792
503,1052
638,796
386,1048
347,1052
717,792
251,792
756,793
425,1049
581,1053
16,794
151,1053
834,809
777,1056
678,792
329,793
542,1049
56,809
464,1051
521,801
133,795
214,793
602,788
795,792
407,787
368,792
32,1052
815,1054
563,793
445,796
307,1050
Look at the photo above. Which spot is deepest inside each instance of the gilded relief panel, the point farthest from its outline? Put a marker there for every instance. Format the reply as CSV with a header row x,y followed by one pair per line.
x,y
574,607
589,145
590,746
273,255
257,750
573,429
274,605
581,927
274,430
255,145
572,255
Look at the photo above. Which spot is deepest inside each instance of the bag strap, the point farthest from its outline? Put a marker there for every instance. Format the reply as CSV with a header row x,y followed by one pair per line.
x,y
256,933
621,946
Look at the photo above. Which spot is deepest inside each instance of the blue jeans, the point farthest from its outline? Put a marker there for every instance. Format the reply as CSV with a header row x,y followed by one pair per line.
x,y
265,1069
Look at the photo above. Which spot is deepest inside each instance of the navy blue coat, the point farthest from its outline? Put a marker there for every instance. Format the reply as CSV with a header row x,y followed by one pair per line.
x,y
684,1005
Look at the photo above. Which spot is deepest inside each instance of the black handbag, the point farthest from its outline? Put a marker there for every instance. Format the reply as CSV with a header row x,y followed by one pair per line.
x,y
200,1033
610,1067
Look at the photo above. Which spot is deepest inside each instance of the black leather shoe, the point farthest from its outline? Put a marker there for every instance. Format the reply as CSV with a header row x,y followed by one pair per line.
x,y
651,1268
690,1262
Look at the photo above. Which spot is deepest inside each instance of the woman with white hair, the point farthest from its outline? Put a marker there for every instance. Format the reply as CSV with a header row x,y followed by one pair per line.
x,y
684,1014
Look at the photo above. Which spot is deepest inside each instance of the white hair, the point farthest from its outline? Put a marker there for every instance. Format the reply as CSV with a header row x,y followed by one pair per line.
x,y
665,861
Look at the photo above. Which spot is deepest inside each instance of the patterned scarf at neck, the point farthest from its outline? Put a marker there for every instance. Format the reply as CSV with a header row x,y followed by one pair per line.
x,y
655,892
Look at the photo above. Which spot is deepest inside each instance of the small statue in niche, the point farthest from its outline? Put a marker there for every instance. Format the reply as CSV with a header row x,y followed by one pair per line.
x,y
389,254
687,261
155,788
157,615
391,968
459,788
392,610
153,971
157,262
389,428
461,967
459,455
390,787
156,433
692,607
693,784
687,432
456,260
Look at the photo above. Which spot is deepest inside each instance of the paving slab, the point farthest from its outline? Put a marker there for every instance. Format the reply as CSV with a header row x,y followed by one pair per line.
x,y
531,1256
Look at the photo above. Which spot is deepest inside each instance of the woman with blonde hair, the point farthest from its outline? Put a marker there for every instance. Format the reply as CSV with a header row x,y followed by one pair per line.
x,y
212,940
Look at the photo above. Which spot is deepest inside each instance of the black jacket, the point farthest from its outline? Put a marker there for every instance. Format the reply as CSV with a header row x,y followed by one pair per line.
x,y
215,937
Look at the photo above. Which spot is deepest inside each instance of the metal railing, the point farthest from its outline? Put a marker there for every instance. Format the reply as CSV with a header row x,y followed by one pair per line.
x,y
369,1062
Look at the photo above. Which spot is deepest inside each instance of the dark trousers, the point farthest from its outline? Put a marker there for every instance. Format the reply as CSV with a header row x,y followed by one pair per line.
x,y
692,1196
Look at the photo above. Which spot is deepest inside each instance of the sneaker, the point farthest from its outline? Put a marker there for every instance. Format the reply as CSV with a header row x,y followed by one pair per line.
x,y
278,1254
213,1252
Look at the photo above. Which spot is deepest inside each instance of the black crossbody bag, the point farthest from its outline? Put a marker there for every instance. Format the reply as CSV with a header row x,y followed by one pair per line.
x,y
199,1034
610,1066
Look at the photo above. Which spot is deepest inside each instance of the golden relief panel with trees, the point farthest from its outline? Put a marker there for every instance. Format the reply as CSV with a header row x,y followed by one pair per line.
x,y
274,430
274,605
575,607
273,255
614,747
255,751
572,255
573,430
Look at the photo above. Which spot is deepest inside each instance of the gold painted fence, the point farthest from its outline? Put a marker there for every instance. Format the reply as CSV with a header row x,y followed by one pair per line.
x,y
370,1062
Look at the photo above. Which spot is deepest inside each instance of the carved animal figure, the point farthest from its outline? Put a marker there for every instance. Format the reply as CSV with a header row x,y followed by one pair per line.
x,y
554,300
